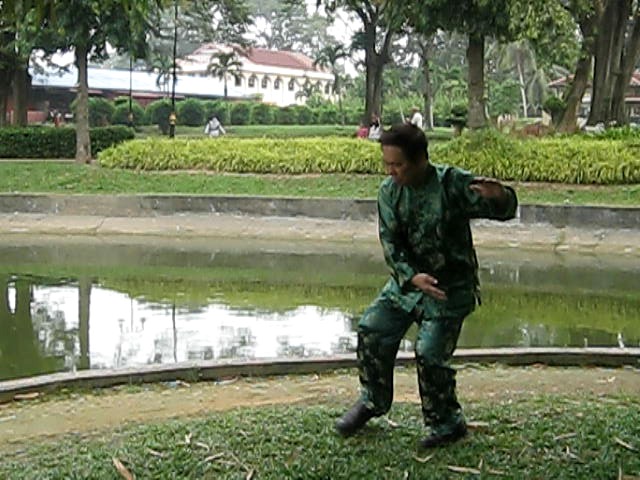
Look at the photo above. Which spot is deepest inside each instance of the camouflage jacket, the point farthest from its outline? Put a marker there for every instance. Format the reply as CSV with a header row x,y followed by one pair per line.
x,y
425,229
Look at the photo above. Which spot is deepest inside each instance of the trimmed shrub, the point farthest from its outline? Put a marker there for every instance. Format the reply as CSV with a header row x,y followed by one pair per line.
x,y
100,111
575,159
287,116
121,114
263,114
103,138
328,116
219,108
241,113
157,113
304,115
486,153
353,116
191,112
290,131
293,155
49,142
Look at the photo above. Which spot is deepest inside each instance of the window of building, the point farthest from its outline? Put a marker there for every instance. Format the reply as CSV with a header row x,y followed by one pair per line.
x,y
327,88
265,82
292,85
276,84
252,81
238,80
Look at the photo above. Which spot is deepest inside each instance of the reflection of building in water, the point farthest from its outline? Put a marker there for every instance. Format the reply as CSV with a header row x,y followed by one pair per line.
x,y
56,340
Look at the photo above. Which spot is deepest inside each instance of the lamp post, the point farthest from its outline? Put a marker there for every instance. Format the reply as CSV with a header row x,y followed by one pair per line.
x,y
130,115
172,117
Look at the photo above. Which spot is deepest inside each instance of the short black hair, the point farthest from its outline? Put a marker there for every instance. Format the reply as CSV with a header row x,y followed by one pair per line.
x,y
408,138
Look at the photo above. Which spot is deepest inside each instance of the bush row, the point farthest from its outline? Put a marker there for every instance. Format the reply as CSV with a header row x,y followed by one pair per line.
x,y
488,153
265,155
577,159
194,112
49,142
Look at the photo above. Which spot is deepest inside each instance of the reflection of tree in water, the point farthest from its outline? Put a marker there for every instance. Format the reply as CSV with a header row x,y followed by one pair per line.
x,y
20,352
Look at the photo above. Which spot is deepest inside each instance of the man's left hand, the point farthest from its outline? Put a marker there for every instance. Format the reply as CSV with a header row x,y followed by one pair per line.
x,y
488,188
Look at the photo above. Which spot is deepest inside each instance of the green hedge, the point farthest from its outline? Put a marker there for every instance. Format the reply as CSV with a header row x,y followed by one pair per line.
x,y
191,112
121,114
574,159
49,142
488,153
299,155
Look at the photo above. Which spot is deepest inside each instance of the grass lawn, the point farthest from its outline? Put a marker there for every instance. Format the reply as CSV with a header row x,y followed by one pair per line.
x,y
58,177
280,131
546,437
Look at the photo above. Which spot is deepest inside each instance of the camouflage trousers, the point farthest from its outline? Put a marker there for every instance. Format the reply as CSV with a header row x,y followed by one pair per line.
x,y
380,331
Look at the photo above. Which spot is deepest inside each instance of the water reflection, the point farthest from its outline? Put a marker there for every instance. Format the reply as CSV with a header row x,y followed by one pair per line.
x,y
154,306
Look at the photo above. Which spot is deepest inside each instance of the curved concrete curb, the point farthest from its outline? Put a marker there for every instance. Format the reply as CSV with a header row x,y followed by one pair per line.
x,y
559,216
190,371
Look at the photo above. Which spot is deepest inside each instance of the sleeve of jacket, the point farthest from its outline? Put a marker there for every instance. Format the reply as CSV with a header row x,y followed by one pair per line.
x,y
395,252
473,205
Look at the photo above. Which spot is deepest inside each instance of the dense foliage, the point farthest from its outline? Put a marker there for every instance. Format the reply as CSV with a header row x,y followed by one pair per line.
x,y
570,160
48,142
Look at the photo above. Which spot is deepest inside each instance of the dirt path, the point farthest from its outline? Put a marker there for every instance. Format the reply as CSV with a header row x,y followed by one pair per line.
x,y
37,420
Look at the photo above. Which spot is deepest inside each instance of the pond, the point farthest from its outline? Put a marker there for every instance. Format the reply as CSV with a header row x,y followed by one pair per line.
x,y
80,303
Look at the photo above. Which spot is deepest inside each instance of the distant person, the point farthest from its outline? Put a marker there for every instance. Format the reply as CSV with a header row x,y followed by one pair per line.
x,y
363,130
416,118
214,128
375,128
57,118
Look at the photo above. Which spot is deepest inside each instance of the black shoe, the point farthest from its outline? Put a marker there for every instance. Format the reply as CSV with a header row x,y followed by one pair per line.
x,y
435,440
354,419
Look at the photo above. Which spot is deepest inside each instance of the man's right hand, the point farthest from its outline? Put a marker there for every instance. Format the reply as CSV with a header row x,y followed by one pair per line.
x,y
427,284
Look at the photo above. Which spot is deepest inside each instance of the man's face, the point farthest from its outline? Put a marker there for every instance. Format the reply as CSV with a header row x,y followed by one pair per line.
x,y
396,164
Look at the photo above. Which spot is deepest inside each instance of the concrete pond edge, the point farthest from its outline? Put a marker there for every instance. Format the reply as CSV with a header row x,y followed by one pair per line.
x,y
11,390
151,205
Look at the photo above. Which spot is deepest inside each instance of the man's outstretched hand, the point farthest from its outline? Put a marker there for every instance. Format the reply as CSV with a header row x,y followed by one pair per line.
x,y
488,188
427,284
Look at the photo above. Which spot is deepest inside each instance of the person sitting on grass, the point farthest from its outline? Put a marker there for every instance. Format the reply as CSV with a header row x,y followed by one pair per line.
x,y
214,128
423,212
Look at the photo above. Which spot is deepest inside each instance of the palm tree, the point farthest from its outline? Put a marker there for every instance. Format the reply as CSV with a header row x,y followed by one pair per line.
x,y
519,57
307,90
163,66
328,57
223,64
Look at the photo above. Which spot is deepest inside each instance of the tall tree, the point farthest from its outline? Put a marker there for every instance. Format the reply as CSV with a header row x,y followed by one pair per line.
x,y
381,21
587,16
287,25
520,59
329,57
87,27
478,20
617,51
24,26
223,64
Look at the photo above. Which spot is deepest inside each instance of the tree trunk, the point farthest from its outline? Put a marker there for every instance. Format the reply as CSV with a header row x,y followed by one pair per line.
x,y
568,121
83,140
3,109
629,61
225,87
523,90
84,307
20,96
475,61
608,56
427,92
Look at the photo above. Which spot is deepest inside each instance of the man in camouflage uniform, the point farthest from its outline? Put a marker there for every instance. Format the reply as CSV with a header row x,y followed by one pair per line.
x,y
424,212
